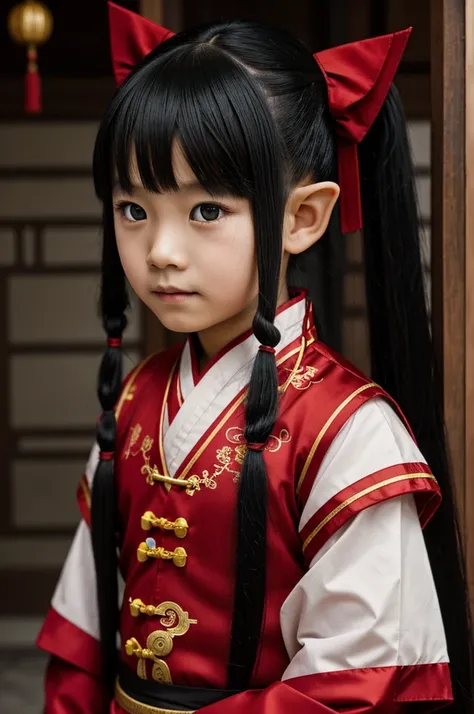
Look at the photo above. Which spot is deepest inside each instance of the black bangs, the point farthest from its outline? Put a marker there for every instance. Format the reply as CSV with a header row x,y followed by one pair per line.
x,y
200,97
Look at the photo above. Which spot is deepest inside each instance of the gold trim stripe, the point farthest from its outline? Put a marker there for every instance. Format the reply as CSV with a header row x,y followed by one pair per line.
x,y
361,494
204,446
302,351
162,417
318,439
126,392
86,491
133,706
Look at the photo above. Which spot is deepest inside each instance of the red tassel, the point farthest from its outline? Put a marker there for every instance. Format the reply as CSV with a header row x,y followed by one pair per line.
x,y
32,84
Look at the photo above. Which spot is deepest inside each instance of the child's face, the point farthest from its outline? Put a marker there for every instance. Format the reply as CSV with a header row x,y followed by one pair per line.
x,y
189,256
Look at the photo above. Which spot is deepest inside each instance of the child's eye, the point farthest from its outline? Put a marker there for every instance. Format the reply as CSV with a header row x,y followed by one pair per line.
x,y
207,212
131,211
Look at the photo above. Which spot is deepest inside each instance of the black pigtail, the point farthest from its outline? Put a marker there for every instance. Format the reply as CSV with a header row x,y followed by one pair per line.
x,y
403,359
260,415
104,502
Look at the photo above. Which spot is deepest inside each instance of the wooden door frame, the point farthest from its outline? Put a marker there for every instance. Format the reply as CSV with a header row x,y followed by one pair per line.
x,y
452,75
469,294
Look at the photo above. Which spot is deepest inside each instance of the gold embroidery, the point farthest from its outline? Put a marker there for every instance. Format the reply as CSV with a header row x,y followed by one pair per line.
x,y
132,449
302,378
151,472
160,642
356,496
227,455
149,549
133,706
302,348
318,439
236,436
223,455
231,411
179,526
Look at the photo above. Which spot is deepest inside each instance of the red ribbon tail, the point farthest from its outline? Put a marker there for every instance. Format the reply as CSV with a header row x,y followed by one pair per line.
x,y
32,92
349,182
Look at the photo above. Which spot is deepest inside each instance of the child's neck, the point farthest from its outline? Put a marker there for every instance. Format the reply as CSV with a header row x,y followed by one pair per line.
x,y
215,338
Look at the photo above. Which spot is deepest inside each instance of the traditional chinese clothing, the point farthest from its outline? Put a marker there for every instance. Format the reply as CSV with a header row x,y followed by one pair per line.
x,y
352,622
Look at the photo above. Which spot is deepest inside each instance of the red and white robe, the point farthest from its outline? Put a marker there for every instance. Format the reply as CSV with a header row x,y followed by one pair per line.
x,y
352,622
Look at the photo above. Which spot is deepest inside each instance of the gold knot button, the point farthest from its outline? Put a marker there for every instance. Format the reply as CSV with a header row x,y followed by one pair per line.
x,y
148,549
179,526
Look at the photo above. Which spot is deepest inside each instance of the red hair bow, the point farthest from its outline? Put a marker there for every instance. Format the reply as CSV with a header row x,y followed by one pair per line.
x,y
358,76
132,37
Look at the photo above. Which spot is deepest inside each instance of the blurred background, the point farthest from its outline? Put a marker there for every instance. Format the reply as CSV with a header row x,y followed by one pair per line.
x,y
50,337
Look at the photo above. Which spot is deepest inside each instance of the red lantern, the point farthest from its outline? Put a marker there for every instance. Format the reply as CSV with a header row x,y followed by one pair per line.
x,y
30,23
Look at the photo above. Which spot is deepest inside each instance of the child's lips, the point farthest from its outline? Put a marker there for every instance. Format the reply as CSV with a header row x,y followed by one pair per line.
x,y
173,295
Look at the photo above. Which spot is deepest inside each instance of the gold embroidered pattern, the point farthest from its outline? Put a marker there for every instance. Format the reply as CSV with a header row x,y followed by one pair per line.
x,y
225,455
132,449
160,642
301,350
179,526
236,436
194,480
148,549
228,456
303,377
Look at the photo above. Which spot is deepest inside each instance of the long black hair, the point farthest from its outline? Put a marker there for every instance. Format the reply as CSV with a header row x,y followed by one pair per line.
x,y
248,106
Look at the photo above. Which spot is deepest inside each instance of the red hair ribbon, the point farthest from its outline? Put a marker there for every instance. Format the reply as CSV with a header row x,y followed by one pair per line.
x,y
358,76
106,455
114,341
132,37
266,348
256,447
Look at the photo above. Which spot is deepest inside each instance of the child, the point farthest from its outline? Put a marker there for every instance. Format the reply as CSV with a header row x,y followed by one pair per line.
x,y
265,499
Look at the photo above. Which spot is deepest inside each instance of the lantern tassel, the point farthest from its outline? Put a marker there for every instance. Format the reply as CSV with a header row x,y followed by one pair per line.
x,y
32,83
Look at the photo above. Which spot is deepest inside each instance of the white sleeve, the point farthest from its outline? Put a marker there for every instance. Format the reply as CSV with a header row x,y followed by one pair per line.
x,y
75,596
368,598
91,465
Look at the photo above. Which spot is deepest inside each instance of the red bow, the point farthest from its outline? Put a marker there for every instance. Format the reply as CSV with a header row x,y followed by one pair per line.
x,y
132,37
358,76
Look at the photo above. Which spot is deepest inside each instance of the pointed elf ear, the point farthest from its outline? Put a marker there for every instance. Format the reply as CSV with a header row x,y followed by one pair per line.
x,y
358,78
132,37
